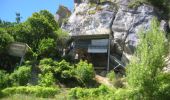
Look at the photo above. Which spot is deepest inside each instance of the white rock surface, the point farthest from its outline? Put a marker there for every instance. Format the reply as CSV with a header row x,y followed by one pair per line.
x,y
118,20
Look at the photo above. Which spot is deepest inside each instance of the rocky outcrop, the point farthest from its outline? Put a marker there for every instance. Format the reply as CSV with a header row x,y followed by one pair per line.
x,y
62,14
90,19
113,17
127,23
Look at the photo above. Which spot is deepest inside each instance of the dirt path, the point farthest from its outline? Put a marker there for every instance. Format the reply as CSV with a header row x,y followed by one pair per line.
x,y
103,80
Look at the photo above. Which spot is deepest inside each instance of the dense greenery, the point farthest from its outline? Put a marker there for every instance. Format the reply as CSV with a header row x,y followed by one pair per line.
x,y
32,90
21,75
144,70
84,71
40,31
63,71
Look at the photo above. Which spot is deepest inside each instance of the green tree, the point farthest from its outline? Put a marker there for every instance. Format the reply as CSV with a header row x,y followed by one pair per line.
x,y
5,40
148,62
47,48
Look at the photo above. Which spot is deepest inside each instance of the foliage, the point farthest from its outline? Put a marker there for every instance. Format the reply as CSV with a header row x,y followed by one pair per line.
x,y
21,75
41,25
79,93
5,24
4,79
111,75
118,82
47,61
46,79
163,90
84,71
143,70
5,40
38,91
62,66
46,47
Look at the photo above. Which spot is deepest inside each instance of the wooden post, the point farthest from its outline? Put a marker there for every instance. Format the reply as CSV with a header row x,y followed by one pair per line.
x,y
22,58
108,59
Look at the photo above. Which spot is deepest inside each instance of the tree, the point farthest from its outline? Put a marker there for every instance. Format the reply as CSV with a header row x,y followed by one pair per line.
x,y
148,62
5,40
41,25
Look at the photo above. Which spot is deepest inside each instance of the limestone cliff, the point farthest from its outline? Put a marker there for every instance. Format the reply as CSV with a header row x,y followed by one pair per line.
x,y
115,18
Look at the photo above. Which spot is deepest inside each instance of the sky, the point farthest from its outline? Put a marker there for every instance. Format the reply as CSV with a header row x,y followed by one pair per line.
x,y
8,8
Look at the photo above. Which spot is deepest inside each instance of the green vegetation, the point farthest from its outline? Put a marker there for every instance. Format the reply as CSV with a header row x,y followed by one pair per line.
x,y
4,79
32,90
20,76
84,93
5,39
84,71
145,79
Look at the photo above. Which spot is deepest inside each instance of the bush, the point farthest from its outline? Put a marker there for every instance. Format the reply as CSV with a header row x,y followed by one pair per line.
x,y
4,79
5,40
84,71
46,47
32,90
62,66
46,79
163,86
142,72
21,75
47,65
127,94
78,93
111,76
47,61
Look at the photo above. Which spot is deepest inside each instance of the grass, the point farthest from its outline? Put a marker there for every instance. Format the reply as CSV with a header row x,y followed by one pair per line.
x,y
24,97
63,95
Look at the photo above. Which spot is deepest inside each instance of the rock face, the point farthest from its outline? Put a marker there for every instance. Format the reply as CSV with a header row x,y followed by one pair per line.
x,y
127,23
90,20
115,18
62,14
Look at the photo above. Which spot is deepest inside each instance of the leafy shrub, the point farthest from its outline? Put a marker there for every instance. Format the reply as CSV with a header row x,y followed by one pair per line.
x,y
46,47
111,75
64,69
46,61
84,71
78,93
127,94
46,79
45,68
163,86
5,40
4,79
142,72
62,66
21,75
32,90
47,65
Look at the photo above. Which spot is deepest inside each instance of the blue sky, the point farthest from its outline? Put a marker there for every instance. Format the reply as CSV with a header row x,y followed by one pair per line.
x,y
8,8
